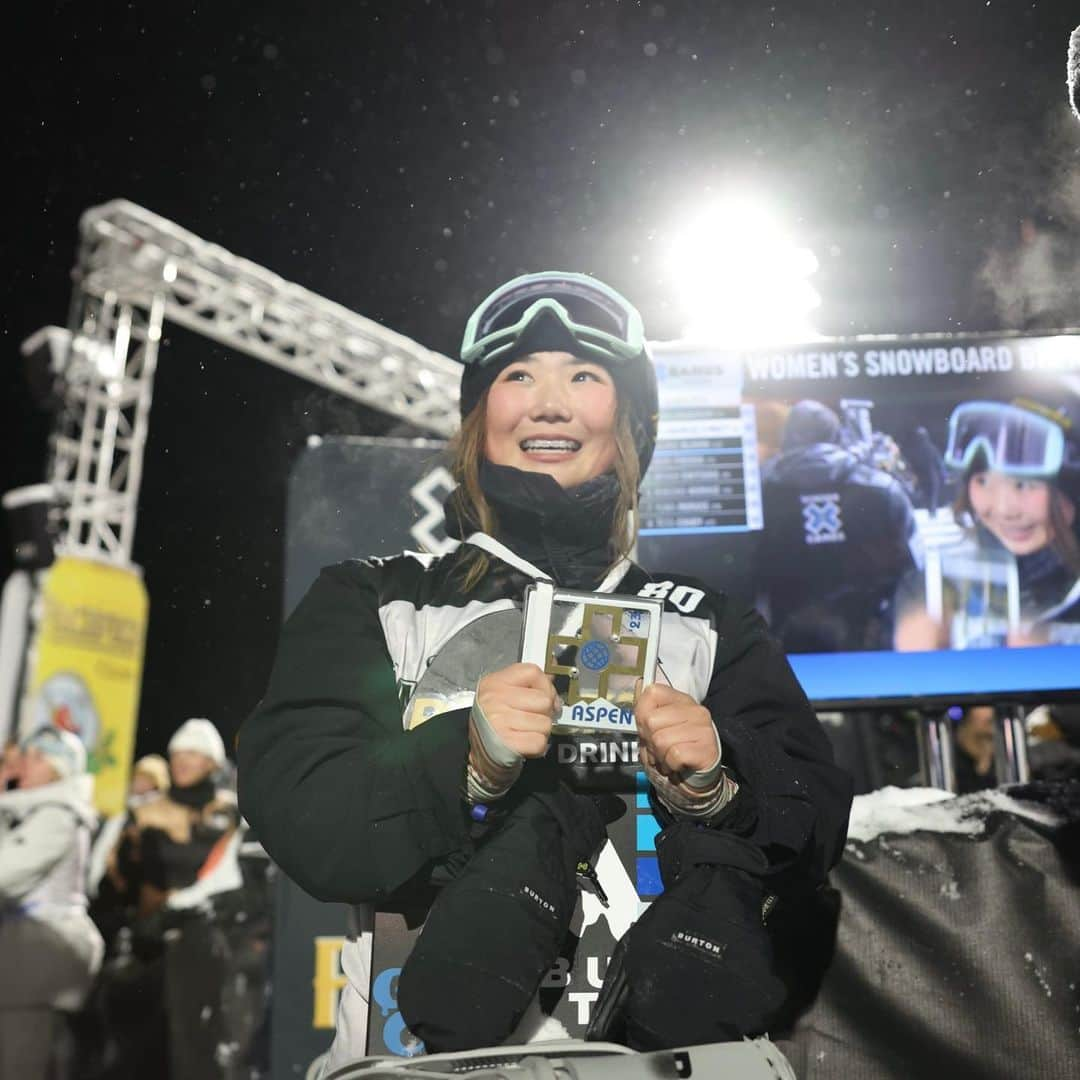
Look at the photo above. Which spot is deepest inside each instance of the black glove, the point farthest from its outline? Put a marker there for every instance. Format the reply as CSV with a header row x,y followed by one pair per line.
x,y
697,967
496,929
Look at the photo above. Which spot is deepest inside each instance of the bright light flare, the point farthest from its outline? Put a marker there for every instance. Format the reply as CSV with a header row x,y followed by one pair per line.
x,y
741,279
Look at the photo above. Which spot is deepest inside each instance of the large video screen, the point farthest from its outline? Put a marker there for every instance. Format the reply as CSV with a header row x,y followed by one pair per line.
x,y
905,512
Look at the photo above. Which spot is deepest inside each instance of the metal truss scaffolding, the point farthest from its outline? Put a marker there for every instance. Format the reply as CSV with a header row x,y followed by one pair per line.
x,y
97,446
136,270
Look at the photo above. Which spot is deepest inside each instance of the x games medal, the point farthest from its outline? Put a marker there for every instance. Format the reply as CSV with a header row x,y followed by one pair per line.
x,y
596,646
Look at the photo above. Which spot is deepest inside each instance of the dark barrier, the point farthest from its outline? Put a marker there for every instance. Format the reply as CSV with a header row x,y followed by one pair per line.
x,y
956,955
307,978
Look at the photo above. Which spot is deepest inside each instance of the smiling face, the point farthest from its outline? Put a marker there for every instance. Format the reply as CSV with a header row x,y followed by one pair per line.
x,y
553,413
1015,509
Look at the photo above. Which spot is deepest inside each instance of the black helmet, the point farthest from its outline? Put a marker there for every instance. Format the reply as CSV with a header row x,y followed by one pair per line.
x,y
569,312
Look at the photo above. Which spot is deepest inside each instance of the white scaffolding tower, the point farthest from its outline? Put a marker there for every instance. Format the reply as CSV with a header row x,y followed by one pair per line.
x,y
136,270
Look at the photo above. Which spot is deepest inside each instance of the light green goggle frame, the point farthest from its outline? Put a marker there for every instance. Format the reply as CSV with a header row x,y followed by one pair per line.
x,y
597,344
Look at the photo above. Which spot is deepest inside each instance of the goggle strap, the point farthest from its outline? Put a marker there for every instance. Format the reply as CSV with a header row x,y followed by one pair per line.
x,y
486,349
542,291
476,346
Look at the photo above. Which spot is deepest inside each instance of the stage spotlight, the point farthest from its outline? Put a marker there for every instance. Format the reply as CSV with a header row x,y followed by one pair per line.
x,y
53,356
741,279
45,359
31,514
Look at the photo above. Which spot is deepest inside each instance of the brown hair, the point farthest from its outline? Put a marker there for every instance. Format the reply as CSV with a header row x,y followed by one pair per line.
x,y
1063,540
466,451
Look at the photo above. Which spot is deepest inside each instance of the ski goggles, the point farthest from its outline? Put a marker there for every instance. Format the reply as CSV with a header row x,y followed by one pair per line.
x,y
600,321
1013,440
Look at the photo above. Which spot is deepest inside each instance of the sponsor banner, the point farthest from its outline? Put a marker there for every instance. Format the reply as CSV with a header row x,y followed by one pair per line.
x,y
86,666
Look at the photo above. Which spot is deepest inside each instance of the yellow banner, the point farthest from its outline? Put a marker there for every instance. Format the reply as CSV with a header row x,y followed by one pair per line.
x,y
329,980
87,666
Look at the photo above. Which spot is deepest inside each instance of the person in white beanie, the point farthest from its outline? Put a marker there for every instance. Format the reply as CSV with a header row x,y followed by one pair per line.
x,y
172,846
172,841
46,936
196,750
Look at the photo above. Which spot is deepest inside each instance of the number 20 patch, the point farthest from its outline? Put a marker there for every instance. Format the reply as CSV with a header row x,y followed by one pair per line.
x,y
683,597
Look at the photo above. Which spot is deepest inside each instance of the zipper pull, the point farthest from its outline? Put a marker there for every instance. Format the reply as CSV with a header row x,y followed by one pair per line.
x,y
587,872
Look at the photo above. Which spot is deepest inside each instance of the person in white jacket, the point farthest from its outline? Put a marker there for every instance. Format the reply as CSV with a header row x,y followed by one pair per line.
x,y
50,950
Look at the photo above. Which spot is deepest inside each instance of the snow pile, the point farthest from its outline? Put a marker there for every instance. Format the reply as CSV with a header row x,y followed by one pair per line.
x,y
537,1026
893,810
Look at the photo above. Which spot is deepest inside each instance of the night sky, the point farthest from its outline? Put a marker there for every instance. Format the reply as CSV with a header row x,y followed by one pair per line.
x,y
404,158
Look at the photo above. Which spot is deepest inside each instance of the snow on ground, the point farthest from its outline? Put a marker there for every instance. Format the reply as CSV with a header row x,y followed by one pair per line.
x,y
893,810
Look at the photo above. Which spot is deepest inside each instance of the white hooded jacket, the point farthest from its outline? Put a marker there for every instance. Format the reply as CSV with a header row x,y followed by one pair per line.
x,y
44,846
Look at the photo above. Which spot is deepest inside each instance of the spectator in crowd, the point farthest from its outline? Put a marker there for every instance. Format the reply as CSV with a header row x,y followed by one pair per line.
x,y
170,842
1054,741
149,778
835,542
50,949
975,750
9,767
149,781
769,420
169,846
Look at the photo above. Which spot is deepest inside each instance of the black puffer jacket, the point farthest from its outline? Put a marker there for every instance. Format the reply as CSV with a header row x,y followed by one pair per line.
x,y
834,548
358,802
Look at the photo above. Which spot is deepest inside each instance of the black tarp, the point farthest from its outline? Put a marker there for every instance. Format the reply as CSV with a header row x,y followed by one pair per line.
x,y
955,956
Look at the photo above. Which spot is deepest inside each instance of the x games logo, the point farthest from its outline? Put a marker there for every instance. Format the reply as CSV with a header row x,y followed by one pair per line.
x,y
822,522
